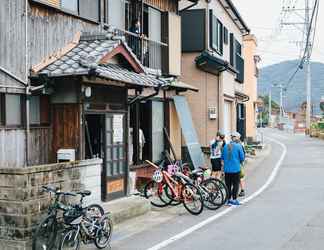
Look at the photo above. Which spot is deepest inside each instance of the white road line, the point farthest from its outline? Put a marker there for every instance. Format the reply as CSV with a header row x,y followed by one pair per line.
x,y
226,211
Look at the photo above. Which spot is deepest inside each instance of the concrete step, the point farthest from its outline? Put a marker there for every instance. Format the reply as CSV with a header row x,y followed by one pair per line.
x,y
127,208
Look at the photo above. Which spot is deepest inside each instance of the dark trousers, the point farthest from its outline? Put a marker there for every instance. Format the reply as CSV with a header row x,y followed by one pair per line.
x,y
232,181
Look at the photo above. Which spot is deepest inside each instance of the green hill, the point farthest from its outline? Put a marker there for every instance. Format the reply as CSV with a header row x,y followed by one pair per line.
x,y
296,91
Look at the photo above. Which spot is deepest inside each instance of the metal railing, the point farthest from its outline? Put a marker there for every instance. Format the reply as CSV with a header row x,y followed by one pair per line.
x,y
148,51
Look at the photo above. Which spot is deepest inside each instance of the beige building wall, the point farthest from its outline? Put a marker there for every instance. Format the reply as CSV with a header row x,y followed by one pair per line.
x,y
175,130
199,102
250,83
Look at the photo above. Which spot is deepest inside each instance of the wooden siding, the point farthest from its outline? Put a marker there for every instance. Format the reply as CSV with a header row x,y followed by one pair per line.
x,y
164,5
66,127
12,41
40,146
51,30
12,148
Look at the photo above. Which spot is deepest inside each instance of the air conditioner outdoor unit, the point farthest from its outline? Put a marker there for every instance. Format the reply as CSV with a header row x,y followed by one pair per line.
x,y
65,155
212,113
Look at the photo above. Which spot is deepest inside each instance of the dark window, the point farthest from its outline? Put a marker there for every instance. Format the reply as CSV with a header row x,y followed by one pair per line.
x,y
13,107
34,110
89,9
2,108
216,33
70,5
225,35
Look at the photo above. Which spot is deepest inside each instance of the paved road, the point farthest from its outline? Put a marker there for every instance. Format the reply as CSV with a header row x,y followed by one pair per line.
x,y
288,215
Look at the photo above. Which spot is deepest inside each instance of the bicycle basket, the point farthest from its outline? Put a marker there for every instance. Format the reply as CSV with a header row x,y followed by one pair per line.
x,y
207,173
157,176
72,216
173,169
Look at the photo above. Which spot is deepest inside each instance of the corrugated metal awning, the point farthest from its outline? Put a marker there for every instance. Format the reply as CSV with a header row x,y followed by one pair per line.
x,y
189,131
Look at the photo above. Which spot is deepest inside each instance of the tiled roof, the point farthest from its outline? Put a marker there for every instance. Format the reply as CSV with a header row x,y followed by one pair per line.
x,y
86,56
118,73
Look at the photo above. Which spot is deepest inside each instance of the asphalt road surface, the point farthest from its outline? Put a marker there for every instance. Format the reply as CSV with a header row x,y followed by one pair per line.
x,y
287,213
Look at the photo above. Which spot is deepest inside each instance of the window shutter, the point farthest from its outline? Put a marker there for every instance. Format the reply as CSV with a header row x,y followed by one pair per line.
x,y
232,49
221,38
225,35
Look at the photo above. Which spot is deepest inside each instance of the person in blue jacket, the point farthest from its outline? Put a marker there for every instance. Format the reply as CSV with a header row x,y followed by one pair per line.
x,y
232,157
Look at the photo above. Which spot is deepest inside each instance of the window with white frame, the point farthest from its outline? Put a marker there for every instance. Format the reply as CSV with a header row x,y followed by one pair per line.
x,y
216,33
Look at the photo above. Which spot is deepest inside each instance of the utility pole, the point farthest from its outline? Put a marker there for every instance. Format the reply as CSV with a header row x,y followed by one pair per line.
x,y
308,67
270,107
281,102
307,42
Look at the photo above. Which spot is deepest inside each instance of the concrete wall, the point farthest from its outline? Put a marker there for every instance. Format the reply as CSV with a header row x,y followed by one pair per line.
x,y
250,84
23,204
199,102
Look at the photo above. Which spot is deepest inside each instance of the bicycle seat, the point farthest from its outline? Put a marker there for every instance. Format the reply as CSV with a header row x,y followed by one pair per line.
x,y
204,168
84,193
197,172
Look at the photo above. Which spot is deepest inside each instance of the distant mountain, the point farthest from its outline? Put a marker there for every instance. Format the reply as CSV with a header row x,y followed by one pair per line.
x,y
296,91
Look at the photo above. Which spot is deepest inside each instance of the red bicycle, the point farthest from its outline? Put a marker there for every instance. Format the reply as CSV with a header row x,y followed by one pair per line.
x,y
163,189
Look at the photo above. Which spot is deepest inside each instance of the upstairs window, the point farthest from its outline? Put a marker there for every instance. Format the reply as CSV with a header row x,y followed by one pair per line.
x,y
70,5
88,9
216,33
2,110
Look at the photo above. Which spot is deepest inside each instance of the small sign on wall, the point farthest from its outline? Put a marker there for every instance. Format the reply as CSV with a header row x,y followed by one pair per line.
x,y
118,129
115,186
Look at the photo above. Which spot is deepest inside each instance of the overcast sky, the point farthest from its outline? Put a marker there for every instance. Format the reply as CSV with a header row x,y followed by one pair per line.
x,y
263,17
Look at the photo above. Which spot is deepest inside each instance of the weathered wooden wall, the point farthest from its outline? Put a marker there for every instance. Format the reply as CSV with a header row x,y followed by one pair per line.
x,y
66,127
12,148
40,146
12,41
51,30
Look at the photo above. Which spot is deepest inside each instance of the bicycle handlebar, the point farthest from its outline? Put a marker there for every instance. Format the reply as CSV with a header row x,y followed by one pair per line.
x,y
57,192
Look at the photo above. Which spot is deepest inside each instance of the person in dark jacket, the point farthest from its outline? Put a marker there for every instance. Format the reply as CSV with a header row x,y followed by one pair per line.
x,y
232,157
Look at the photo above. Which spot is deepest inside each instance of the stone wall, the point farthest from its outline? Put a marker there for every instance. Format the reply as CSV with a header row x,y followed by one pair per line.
x,y
23,203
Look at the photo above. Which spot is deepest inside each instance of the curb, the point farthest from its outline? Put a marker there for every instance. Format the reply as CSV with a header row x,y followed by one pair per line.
x,y
127,208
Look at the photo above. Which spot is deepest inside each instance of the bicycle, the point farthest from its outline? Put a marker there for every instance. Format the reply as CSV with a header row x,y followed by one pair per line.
x,y
47,231
94,229
166,189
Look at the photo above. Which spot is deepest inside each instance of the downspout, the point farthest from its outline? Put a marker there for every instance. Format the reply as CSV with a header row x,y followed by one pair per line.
x,y
28,85
207,26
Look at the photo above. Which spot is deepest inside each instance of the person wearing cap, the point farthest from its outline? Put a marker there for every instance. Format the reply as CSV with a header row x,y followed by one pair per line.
x,y
216,147
232,157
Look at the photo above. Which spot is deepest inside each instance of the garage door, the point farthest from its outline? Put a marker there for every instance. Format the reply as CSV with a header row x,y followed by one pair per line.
x,y
227,119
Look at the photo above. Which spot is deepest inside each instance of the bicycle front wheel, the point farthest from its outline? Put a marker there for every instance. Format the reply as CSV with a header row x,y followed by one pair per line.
x,y
70,240
192,199
155,192
104,232
214,197
45,234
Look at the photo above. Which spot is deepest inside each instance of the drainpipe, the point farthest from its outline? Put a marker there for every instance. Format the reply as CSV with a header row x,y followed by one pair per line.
x,y
28,85
207,25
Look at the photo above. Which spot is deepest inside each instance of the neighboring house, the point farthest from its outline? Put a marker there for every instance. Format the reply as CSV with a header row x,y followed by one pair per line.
x,y
250,84
212,61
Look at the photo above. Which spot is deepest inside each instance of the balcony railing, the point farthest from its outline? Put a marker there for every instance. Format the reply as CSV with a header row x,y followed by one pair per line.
x,y
148,51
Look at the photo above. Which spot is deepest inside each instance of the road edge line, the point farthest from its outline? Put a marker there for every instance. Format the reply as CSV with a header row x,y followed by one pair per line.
x,y
226,211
